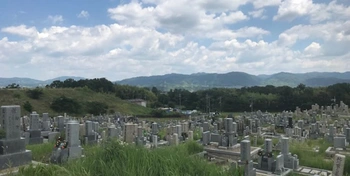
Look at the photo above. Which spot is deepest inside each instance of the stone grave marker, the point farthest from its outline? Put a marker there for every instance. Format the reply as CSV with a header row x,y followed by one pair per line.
x,y
12,147
338,166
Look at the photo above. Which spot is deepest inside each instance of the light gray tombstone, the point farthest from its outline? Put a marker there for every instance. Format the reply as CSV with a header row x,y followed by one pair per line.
x,y
179,130
205,138
112,131
347,134
46,117
215,128
176,139
46,122
154,128
12,147
234,127
339,142
72,133
205,126
88,128
285,146
249,169
229,125
190,135
338,166
34,121
245,150
279,164
155,141
268,145
60,123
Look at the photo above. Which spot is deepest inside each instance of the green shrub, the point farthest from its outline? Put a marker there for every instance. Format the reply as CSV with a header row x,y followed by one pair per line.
x,y
35,93
16,95
157,113
27,106
96,108
65,104
2,134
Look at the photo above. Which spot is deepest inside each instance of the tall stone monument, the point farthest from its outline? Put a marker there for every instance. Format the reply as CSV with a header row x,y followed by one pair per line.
x,y
12,147
245,160
72,133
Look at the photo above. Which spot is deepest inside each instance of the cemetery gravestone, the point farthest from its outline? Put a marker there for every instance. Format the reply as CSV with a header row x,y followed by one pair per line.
x,y
12,146
338,166
34,131
72,133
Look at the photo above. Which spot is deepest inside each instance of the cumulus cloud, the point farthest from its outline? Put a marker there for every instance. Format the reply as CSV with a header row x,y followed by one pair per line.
x,y
56,19
258,14
290,10
179,16
83,14
165,36
264,3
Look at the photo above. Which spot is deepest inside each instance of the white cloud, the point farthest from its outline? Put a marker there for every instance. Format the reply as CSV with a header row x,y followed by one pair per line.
x,y
289,10
57,19
165,36
178,16
258,14
264,3
83,14
21,30
313,49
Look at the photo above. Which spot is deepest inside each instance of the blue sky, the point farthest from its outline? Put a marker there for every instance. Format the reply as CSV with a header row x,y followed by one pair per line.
x,y
119,39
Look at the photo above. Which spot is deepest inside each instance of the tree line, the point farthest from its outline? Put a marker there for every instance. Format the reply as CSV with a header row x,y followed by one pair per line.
x,y
265,98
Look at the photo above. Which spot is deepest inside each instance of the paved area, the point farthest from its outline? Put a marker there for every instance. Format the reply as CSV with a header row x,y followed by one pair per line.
x,y
313,171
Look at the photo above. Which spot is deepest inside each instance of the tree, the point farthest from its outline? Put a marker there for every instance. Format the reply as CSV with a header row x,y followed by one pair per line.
x,y
65,104
35,93
12,86
28,107
96,108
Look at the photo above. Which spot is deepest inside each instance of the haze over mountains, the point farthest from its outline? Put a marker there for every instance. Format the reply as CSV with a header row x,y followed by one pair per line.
x,y
239,79
208,80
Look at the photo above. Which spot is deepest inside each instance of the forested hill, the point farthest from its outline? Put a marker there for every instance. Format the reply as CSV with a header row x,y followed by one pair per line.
x,y
237,79
199,81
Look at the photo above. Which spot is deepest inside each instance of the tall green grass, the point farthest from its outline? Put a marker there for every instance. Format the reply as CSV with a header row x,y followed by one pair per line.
x,y
114,158
41,152
308,157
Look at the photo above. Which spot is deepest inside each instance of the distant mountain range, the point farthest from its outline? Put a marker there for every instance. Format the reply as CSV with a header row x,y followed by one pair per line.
x,y
237,79
198,81
28,82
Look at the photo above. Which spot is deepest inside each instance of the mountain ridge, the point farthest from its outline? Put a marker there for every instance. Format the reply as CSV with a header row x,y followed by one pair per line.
x,y
202,80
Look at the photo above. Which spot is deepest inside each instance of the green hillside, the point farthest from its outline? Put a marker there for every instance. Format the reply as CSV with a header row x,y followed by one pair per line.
x,y
81,95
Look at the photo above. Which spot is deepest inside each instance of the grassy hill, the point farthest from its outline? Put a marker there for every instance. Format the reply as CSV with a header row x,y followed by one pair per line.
x,y
82,95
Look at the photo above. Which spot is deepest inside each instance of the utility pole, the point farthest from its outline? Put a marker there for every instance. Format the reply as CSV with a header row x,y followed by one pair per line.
x,y
208,104
220,104
251,106
180,100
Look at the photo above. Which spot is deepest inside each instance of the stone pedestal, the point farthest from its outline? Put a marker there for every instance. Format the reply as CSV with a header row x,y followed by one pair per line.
x,y
35,137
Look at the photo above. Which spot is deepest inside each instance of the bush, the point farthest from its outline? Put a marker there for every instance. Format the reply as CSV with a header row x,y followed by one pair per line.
x,y
28,107
96,108
2,134
157,113
35,93
16,95
65,104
